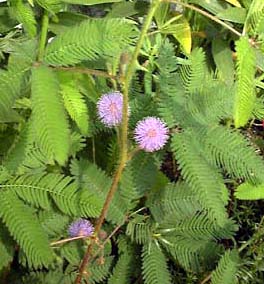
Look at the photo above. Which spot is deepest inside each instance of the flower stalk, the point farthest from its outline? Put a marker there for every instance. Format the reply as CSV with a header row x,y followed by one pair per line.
x,y
125,81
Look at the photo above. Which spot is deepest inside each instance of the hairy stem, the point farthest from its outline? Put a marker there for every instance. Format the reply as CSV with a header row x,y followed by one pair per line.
x,y
206,14
43,35
124,138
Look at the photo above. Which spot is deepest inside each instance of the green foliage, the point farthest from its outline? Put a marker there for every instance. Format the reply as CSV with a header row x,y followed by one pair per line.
x,y
154,265
50,5
245,93
247,191
24,14
25,229
89,2
193,71
226,269
75,104
6,247
10,84
234,154
92,39
91,177
122,271
52,134
199,174
178,214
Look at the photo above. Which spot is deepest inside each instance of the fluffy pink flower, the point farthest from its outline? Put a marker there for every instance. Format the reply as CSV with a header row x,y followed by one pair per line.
x,y
151,134
110,108
81,227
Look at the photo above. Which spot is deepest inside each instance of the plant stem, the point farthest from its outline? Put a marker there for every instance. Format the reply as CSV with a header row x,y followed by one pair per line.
x,y
206,279
252,239
124,138
206,14
63,241
85,71
43,35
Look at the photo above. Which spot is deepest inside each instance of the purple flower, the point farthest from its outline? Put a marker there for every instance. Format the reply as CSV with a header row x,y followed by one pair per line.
x,y
110,108
151,134
81,227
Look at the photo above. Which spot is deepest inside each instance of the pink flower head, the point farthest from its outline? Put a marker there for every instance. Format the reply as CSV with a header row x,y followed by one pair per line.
x,y
110,108
81,227
151,134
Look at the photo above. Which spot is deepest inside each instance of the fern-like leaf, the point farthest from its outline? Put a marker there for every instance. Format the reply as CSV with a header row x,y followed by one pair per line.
x,y
199,174
229,149
194,254
6,247
23,226
10,84
140,230
174,199
76,106
24,14
90,40
245,93
37,190
122,270
194,72
226,270
91,177
154,265
48,115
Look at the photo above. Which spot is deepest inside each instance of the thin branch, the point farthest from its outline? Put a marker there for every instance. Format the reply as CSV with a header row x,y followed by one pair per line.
x,y
108,238
124,137
110,195
206,279
252,239
206,14
63,241
82,70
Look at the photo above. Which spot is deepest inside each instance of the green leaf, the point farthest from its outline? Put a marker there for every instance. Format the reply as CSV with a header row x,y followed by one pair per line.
x,y
6,247
229,150
155,270
12,79
182,32
76,106
24,227
247,191
245,93
92,39
233,14
194,71
234,2
48,115
24,15
98,184
213,6
65,20
178,26
50,5
89,2
223,59
226,270
123,269
254,13
199,174
124,10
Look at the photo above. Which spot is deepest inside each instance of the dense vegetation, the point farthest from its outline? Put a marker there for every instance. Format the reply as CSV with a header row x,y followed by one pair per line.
x,y
131,141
